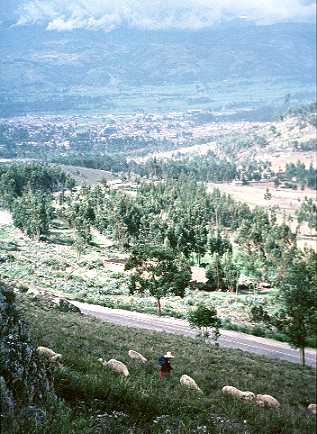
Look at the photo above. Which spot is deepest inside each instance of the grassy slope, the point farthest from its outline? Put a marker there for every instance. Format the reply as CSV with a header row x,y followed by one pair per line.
x,y
85,175
288,201
91,390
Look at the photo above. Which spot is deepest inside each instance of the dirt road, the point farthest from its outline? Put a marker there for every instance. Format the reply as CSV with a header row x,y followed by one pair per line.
x,y
262,346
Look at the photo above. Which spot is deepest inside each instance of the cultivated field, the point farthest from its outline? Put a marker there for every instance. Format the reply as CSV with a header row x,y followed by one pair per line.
x,y
280,159
84,175
287,201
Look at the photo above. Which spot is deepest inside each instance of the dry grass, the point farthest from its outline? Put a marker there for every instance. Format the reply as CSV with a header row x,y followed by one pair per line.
x,y
287,200
280,159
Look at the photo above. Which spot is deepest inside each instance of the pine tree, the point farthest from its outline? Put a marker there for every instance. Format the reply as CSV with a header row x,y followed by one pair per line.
x,y
297,317
33,213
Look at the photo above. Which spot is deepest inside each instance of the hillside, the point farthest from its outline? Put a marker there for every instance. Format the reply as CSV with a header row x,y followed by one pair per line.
x,y
158,228
100,402
286,140
93,271
28,399
239,66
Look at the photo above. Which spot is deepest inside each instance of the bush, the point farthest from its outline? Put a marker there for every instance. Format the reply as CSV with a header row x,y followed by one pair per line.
x,y
257,313
203,318
258,331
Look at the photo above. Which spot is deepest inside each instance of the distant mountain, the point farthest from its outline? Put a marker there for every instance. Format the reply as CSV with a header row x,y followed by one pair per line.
x,y
237,64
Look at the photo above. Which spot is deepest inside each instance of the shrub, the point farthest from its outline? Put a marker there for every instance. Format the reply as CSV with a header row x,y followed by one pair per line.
x,y
203,318
257,313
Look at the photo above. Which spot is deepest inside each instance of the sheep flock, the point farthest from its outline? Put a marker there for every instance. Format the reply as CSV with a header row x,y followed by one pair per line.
x,y
185,380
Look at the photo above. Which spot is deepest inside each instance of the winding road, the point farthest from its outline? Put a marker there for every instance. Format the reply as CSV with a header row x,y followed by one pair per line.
x,y
231,339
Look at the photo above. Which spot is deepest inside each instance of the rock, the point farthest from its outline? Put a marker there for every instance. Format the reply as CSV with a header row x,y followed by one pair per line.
x,y
34,413
22,287
25,381
7,401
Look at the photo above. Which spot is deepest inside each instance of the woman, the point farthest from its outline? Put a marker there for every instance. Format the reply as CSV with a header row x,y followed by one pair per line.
x,y
165,365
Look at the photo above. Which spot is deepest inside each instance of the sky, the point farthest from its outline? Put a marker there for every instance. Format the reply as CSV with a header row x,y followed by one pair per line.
x,y
108,15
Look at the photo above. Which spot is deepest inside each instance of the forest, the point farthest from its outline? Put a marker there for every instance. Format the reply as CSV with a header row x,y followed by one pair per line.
x,y
168,226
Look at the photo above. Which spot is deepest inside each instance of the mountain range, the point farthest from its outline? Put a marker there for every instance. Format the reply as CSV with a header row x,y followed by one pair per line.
x,y
238,64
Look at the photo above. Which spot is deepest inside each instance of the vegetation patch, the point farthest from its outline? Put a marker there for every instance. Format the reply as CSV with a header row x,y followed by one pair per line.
x,y
100,400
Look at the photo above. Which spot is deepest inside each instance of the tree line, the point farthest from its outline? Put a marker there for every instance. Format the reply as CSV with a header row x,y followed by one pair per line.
x,y
183,217
27,190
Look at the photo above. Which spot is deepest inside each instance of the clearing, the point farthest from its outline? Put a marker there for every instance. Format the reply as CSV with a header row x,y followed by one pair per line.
x,y
287,200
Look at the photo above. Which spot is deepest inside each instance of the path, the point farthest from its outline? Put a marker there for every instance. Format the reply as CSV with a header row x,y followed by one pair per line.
x,y
231,339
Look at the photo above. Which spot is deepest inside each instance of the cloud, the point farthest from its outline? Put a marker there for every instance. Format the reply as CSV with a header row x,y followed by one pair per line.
x,y
158,14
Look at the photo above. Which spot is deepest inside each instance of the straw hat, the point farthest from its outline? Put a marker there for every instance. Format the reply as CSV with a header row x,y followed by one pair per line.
x,y
169,355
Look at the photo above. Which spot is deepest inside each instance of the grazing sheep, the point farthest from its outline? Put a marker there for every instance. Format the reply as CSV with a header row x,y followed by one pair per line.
x,y
137,356
247,396
233,391
116,365
312,409
267,401
187,381
50,354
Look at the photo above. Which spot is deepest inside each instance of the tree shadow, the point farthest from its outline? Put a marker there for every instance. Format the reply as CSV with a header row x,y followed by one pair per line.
x,y
96,245
9,246
59,238
59,225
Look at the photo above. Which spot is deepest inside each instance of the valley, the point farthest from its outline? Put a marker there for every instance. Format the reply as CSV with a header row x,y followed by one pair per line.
x,y
158,231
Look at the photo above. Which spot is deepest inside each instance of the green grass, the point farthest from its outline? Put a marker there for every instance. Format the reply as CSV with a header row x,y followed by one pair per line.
x,y
92,393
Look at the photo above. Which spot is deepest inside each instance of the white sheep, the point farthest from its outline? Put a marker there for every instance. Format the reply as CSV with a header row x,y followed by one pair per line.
x,y
137,356
247,396
233,391
50,354
267,401
187,381
116,365
312,409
